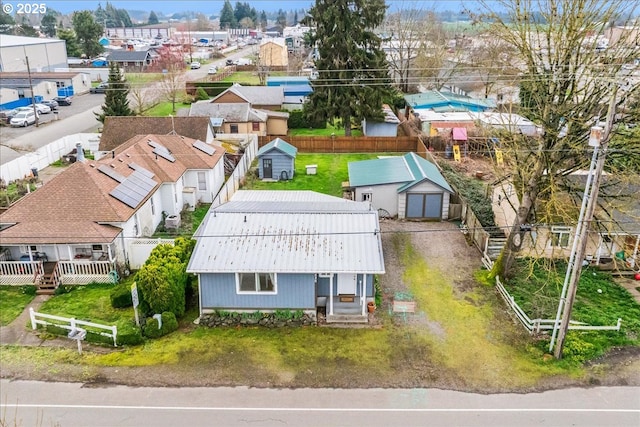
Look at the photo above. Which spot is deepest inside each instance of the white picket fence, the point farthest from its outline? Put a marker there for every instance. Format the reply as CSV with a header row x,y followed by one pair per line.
x,y
537,325
72,325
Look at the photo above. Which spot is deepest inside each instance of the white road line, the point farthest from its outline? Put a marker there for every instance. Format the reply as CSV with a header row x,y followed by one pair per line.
x,y
238,409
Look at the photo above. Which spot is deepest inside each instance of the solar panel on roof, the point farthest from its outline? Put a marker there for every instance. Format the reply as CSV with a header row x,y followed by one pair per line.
x,y
161,151
111,173
133,189
145,172
204,147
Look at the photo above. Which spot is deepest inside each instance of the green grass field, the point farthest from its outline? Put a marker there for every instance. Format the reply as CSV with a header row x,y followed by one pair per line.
x,y
331,173
13,300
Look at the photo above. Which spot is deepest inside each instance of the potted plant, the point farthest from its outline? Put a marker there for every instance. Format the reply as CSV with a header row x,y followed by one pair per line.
x,y
371,306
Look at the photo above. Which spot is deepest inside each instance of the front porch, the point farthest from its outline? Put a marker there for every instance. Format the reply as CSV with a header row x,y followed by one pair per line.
x,y
344,309
48,275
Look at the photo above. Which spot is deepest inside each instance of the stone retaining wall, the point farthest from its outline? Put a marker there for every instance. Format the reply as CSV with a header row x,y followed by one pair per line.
x,y
268,320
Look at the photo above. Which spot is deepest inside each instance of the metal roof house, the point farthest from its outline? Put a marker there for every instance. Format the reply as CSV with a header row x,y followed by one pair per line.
x,y
404,186
442,101
288,250
277,160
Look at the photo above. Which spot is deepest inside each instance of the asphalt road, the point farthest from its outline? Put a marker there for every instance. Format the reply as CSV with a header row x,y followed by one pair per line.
x,y
71,404
76,118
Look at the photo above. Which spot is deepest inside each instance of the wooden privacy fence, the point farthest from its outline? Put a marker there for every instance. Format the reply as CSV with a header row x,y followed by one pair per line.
x,y
537,325
73,325
349,144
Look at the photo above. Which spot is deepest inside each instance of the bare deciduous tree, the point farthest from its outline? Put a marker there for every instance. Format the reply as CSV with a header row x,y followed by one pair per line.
x,y
567,79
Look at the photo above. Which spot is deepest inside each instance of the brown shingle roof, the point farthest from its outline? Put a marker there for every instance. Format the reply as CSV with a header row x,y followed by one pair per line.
x,y
117,129
75,205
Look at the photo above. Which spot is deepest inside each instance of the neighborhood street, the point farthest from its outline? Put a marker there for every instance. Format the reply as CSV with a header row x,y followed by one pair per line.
x,y
73,404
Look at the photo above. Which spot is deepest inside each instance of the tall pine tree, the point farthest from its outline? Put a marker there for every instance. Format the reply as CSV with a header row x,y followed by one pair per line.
x,y
353,74
115,98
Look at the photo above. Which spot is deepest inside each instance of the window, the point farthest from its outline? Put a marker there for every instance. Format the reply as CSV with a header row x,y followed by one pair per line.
x,y
60,84
560,237
233,128
255,126
366,197
96,247
153,208
202,181
256,283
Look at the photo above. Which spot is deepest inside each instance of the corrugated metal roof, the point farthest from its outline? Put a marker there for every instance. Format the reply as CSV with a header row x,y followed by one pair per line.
x,y
407,170
388,170
288,241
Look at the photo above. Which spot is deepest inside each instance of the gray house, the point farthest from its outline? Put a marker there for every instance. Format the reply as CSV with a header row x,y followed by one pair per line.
x,y
277,160
288,250
404,186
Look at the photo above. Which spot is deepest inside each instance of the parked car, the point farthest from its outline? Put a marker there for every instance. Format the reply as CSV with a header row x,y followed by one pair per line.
x,y
101,88
6,115
230,62
23,118
63,100
195,65
213,70
51,103
43,109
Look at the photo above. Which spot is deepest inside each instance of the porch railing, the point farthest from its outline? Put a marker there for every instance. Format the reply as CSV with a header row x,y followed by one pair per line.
x,y
20,273
83,272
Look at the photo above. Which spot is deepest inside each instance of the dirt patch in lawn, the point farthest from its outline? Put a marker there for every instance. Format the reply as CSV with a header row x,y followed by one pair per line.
x,y
459,337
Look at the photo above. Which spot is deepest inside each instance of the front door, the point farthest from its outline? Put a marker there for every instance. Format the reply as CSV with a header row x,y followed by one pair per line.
x,y
347,284
267,169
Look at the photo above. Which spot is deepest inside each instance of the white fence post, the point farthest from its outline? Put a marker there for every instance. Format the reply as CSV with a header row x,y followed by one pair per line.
x,y
32,315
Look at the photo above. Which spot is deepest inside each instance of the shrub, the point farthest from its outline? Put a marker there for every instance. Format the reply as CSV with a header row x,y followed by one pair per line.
x,y
121,296
169,324
29,289
201,94
129,334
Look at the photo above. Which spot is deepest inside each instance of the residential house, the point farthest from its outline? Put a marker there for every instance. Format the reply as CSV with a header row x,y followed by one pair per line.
x,y
288,250
404,186
133,60
614,234
296,90
259,97
388,126
277,160
241,117
119,129
274,53
83,225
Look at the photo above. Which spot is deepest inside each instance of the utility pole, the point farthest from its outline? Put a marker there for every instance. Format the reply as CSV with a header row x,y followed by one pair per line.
x,y
599,139
33,96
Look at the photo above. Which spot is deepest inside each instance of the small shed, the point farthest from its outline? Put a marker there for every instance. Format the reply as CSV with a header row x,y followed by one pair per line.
x,y
277,160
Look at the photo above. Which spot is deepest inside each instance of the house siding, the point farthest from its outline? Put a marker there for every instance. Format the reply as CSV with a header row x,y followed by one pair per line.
x,y
371,128
280,163
277,126
229,98
294,291
382,196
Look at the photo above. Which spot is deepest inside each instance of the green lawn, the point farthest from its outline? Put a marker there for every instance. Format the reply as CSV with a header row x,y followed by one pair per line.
x,y
331,173
165,109
328,131
13,300
143,78
89,303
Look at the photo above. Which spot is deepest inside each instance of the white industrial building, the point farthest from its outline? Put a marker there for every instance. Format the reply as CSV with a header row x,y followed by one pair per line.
x,y
43,54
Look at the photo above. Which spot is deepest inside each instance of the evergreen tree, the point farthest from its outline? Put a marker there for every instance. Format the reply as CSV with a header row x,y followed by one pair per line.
x,y
281,20
153,18
227,17
67,34
115,98
353,74
88,32
48,24
263,20
6,23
